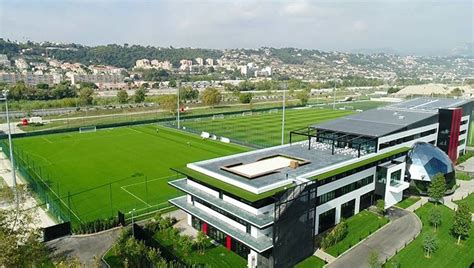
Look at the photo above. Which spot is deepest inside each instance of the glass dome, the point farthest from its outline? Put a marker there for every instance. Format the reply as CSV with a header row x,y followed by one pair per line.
x,y
425,160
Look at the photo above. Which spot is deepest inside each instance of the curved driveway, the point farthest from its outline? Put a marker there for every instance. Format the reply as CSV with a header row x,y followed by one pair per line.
x,y
385,242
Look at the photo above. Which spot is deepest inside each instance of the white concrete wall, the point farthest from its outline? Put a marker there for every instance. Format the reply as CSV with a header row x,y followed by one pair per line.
x,y
221,217
391,198
345,181
255,232
429,138
252,259
256,211
462,147
202,188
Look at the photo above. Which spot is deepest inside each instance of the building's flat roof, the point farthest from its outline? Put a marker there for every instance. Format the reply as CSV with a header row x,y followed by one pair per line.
x,y
315,159
389,119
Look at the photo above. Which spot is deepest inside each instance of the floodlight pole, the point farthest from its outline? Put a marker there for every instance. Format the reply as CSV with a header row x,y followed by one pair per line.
x,y
334,101
283,115
133,228
177,118
5,96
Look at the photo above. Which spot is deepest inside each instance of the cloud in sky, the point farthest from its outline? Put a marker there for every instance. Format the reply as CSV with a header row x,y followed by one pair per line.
x,y
407,26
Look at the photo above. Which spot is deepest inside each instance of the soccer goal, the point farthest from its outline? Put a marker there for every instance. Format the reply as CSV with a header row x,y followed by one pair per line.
x,y
273,111
246,113
87,129
217,116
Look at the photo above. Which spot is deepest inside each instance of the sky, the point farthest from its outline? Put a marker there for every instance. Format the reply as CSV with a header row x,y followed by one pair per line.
x,y
405,26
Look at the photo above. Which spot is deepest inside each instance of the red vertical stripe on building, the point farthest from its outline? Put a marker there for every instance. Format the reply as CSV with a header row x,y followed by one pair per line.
x,y
204,228
228,242
454,134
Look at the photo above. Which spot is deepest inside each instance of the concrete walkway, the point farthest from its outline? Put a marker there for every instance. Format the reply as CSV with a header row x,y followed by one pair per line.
x,y
86,248
465,188
423,200
386,241
328,258
42,217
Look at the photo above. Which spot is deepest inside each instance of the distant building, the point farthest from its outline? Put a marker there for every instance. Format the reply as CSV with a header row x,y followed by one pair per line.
x,y
96,78
143,63
30,78
200,61
4,61
21,64
209,62
186,65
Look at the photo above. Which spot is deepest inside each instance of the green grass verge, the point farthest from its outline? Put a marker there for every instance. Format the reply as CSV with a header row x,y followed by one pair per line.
x,y
407,202
311,262
98,173
359,226
469,200
463,176
449,254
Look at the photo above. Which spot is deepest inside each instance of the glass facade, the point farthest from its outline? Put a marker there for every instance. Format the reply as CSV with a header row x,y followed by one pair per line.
x,y
221,238
345,189
425,160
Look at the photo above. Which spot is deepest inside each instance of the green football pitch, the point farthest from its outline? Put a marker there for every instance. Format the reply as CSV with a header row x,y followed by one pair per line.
x,y
262,129
96,174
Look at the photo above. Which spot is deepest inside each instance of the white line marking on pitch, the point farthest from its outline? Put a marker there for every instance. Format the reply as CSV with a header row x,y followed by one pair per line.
x,y
156,179
136,197
141,132
46,140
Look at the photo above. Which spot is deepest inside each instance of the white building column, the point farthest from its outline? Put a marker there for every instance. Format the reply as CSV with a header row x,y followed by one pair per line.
x,y
338,214
190,219
252,259
357,205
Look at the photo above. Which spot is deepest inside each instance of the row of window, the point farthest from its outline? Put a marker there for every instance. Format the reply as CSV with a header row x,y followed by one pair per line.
x,y
407,138
324,198
223,212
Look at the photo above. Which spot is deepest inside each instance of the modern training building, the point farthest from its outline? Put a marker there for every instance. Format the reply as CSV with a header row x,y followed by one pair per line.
x,y
267,205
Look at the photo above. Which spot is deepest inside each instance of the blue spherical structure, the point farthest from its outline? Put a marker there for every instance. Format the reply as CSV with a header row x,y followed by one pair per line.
x,y
425,160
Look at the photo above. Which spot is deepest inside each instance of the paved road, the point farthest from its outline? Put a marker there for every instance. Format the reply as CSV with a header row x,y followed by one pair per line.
x,y
84,248
385,242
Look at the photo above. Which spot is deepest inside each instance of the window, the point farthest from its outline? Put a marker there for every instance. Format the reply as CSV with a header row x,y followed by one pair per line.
x,y
324,198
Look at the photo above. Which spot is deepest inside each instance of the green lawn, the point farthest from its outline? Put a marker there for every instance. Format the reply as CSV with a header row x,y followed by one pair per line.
x,y
263,129
214,255
407,202
471,139
462,176
98,173
449,253
359,226
469,200
311,262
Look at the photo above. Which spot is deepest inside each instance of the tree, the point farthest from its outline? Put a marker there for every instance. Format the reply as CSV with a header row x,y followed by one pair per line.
x,y
437,188
201,241
188,94
20,238
456,92
169,103
430,245
86,96
245,97
211,96
374,260
42,86
172,83
140,95
462,221
122,96
380,206
435,217
303,96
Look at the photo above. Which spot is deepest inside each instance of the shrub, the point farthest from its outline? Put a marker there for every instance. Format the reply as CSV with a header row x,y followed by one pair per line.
x,y
95,226
337,234
464,157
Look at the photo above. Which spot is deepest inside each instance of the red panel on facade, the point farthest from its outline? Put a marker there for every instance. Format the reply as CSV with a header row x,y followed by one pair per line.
x,y
204,228
454,134
228,242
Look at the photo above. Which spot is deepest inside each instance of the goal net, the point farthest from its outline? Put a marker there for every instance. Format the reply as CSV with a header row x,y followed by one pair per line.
x,y
246,113
217,116
87,129
273,111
